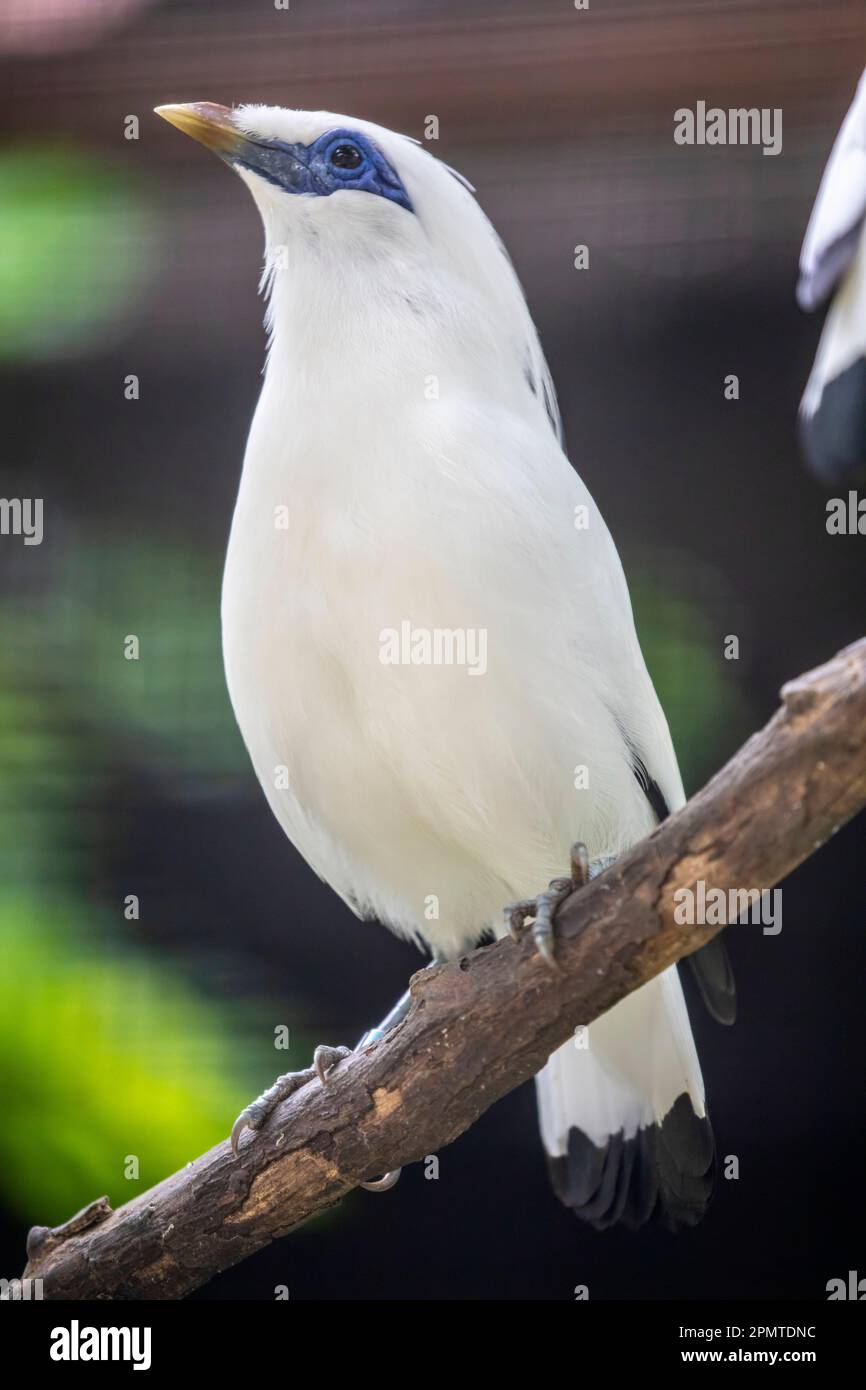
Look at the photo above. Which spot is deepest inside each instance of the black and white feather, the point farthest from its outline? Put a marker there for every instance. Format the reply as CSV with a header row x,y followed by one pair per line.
x,y
626,1131
833,263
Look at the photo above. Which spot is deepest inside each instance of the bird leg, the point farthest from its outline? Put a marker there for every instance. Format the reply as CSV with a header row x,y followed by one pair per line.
x,y
543,909
324,1059
255,1114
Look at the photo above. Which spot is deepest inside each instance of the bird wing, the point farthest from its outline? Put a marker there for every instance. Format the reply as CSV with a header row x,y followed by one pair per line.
x,y
836,223
531,354
711,964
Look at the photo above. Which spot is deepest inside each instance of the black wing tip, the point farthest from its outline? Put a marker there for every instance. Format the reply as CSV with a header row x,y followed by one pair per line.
x,y
833,436
711,964
723,1011
650,788
714,976
663,1176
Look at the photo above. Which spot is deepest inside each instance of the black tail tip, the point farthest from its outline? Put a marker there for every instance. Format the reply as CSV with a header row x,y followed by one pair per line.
x,y
664,1175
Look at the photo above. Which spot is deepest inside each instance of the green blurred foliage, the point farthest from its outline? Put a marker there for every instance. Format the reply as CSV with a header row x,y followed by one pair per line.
x,y
68,267
107,1049
700,691
40,786
172,702
103,1054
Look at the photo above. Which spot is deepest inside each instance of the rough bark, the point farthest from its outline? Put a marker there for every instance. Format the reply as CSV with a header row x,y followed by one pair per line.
x,y
480,1027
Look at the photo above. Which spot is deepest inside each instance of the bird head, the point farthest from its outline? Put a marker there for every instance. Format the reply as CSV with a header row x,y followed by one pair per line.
x,y
379,236
328,178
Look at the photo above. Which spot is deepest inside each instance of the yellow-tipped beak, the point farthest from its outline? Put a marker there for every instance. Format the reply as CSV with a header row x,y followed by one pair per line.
x,y
206,122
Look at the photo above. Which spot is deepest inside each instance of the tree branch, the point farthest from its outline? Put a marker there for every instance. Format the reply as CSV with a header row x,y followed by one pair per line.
x,y
480,1027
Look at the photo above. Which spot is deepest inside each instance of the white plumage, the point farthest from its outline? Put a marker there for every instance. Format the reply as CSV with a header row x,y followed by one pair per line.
x,y
840,206
408,423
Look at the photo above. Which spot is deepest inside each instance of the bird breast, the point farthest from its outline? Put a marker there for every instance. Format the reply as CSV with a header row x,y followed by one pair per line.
x,y
420,649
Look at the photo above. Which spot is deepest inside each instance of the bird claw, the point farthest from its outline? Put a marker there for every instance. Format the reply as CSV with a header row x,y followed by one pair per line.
x,y
324,1058
383,1184
255,1114
544,908
244,1121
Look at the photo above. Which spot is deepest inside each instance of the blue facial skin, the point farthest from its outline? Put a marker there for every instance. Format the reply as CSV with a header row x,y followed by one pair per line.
x,y
339,159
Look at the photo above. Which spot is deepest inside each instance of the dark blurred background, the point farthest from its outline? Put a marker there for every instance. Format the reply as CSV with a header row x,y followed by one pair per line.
x,y
125,1038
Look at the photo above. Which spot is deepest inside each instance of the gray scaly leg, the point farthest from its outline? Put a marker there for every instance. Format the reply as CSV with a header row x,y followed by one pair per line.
x,y
325,1058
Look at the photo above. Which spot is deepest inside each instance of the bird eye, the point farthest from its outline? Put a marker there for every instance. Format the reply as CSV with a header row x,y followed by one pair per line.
x,y
346,156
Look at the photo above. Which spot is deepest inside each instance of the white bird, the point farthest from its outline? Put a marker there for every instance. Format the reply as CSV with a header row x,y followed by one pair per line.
x,y
421,659
833,409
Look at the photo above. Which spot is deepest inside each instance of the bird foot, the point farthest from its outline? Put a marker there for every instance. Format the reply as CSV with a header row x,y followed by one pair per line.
x,y
543,909
255,1114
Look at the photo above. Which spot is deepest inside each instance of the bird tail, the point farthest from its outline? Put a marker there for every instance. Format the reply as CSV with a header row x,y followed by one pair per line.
x,y
622,1115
